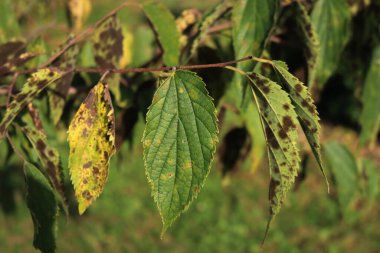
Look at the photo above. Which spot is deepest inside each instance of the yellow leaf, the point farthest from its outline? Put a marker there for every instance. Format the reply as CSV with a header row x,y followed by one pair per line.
x,y
91,138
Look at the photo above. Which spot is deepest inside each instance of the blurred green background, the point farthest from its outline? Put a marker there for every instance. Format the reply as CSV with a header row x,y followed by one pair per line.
x,y
230,214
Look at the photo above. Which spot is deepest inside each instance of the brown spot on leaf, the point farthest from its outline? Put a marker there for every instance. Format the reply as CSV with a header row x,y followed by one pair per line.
x,y
87,165
299,88
87,195
287,123
271,138
286,107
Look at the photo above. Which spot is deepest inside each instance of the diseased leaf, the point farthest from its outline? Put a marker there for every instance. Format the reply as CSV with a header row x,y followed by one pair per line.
x,y
33,86
166,28
48,156
207,21
11,50
179,143
304,107
345,171
43,207
310,39
279,122
331,20
252,22
370,116
108,50
58,90
91,138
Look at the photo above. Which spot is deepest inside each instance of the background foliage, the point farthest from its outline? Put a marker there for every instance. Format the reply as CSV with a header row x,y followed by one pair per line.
x,y
333,46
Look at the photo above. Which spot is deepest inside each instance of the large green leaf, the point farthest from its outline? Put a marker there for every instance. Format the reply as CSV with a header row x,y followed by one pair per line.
x,y
91,138
331,20
43,207
48,156
179,143
34,85
370,116
107,43
310,40
165,26
304,107
252,21
279,123
345,171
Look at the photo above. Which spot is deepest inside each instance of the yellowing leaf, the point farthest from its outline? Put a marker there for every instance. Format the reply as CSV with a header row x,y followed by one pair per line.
x,y
91,137
33,86
79,11
108,49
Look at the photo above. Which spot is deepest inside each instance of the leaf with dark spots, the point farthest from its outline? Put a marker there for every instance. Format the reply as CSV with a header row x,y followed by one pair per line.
x,y
11,50
107,43
91,138
31,88
49,158
310,39
280,131
58,90
304,107
43,207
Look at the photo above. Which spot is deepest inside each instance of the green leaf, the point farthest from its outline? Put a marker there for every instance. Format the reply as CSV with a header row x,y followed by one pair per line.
x,y
91,138
43,207
372,177
304,107
345,171
370,115
331,20
166,28
48,156
58,90
107,43
310,39
179,143
252,22
279,123
33,86
208,20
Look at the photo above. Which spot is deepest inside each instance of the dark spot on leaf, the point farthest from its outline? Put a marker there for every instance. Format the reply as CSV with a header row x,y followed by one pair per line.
x,y
299,88
95,170
21,97
87,165
266,89
271,138
282,134
40,146
87,195
286,107
287,123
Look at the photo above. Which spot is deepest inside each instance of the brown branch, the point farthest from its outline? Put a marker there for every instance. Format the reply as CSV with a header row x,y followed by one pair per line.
x,y
141,70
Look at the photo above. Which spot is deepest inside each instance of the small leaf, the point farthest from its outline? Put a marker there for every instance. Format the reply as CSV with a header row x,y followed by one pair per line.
x,y
49,158
179,143
208,20
279,123
108,48
331,20
78,11
305,109
58,90
166,28
345,171
43,207
91,138
310,38
33,86
370,116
